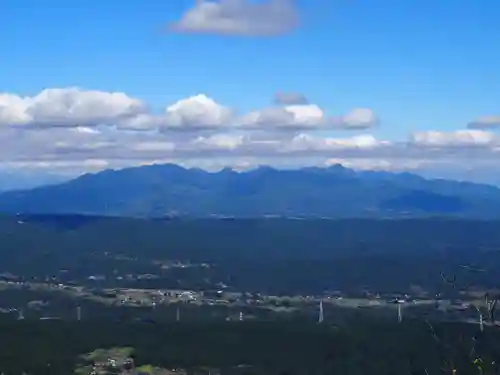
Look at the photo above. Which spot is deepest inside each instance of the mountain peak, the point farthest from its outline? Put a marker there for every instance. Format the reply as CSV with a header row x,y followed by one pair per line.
x,y
335,192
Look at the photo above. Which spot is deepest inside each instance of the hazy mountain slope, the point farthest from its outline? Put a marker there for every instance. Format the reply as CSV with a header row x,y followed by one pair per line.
x,y
27,180
331,192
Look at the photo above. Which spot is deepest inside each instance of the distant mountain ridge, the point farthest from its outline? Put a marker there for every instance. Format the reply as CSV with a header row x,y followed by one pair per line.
x,y
333,192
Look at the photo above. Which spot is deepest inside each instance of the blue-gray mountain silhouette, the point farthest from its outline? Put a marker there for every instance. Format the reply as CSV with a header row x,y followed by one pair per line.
x,y
334,192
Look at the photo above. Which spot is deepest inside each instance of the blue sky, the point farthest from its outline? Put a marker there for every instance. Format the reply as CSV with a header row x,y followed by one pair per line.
x,y
420,65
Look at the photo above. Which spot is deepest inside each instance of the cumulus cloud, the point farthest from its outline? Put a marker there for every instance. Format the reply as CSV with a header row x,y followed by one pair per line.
x,y
459,138
68,107
196,112
306,142
91,109
357,119
306,117
239,17
291,117
487,122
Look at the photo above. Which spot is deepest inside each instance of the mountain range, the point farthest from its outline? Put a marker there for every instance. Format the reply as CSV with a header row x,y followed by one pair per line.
x,y
333,192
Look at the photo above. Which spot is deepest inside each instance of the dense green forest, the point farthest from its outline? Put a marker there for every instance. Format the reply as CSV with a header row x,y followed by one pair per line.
x,y
357,347
212,239
304,256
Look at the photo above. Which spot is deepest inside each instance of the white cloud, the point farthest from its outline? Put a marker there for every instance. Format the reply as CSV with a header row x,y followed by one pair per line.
x,y
87,110
220,142
460,138
486,122
196,112
76,129
13,110
239,17
291,117
305,142
357,119
67,107
140,122
306,117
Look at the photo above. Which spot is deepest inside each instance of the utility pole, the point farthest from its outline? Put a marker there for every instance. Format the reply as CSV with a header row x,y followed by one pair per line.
x,y
481,318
